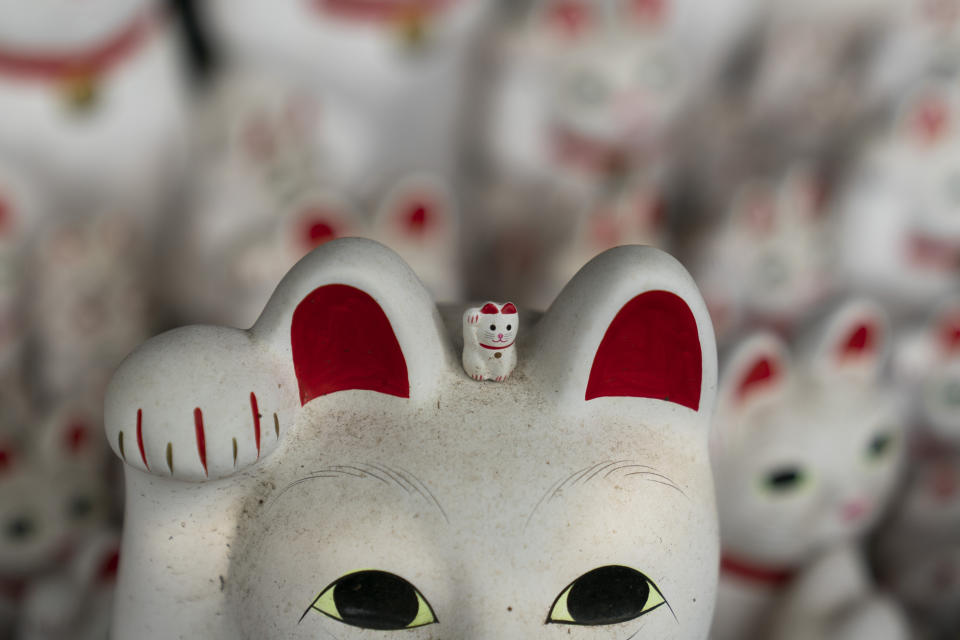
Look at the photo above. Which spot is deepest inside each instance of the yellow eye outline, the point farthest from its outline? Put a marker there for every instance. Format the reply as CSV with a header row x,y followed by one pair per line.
x,y
769,488
326,604
560,610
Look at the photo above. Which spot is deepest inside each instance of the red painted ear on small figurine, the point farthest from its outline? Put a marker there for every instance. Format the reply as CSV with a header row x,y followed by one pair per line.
x,y
334,470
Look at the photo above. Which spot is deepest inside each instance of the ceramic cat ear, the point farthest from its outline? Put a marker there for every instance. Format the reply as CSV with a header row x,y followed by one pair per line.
x,y
756,371
631,326
850,343
928,117
417,210
349,316
568,20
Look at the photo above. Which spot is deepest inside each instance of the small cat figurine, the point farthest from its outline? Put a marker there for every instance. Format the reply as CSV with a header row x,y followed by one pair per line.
x,y
489,334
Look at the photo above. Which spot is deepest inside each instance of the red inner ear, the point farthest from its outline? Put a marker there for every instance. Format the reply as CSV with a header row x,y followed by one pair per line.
x,y
950,332
649,11
317,228
509,308
861,341
5,214
6,459
418,216
570,17
490,309
341,339
650,350
931,119
76,436
763,372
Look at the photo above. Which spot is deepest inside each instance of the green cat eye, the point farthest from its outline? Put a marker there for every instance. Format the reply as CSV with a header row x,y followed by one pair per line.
x,y
784,480
372,599
606,595
879,446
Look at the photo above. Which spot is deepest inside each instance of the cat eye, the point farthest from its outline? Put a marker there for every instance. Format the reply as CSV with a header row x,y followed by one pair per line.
x,y
784,480
20,528
493,327
372,599
606,595
509,327
879,446
79,507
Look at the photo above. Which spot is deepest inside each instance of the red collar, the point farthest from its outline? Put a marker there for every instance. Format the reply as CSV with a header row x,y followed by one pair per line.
x,y
497,348
754,573
95,61
379,10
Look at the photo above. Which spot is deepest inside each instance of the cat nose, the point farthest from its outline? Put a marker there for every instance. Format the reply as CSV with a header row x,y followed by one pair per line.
x,y
499,336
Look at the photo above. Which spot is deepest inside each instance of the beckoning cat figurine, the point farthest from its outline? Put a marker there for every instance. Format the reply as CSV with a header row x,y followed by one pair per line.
x,y
332,471
489,334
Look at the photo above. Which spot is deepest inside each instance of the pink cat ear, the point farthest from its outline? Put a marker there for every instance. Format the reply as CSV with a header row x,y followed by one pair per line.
x,y
765,371
755,368
76,437
862,341
317,225
341,340
570,19
929,118
489,309
853,341
647,13
650,350
7,459
418,209
947,326
6,215
509,309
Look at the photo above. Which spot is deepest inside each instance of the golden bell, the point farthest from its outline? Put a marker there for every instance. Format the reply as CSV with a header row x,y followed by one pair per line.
x,y
80,91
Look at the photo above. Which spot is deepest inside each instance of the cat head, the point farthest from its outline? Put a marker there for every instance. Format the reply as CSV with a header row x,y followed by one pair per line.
x,y
808,447
497,325
52,490
773,248
339,448
615,76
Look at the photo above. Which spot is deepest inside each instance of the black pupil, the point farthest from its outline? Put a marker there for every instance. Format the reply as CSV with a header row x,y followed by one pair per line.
x,y
608,595
376,600
508,327
80,507
879,445
784,479
19,528
493,327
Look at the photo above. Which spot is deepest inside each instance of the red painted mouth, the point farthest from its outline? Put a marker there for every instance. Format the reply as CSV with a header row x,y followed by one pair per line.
x,y
573,149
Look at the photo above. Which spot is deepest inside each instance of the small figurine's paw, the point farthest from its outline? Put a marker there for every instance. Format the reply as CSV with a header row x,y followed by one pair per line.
x,y
473,318
197,403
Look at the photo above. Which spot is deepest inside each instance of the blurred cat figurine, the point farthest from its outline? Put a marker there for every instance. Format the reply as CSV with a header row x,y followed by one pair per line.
x,y
768,260
489,334
57,552
94,101
807,454
333,471
897,231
